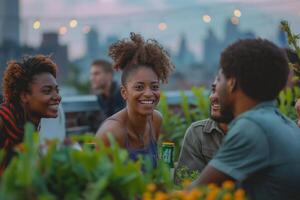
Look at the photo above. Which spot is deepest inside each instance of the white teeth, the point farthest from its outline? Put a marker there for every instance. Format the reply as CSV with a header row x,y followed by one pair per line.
x,y
54,106
216,106
146,102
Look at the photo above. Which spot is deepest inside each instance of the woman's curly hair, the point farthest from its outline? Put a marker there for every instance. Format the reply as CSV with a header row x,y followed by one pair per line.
x,y
136,52
19,75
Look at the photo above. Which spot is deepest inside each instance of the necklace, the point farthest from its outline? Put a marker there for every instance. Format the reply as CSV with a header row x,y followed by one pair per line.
x,y
139,135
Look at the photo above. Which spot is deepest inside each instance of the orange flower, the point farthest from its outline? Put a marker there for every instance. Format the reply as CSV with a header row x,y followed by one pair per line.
x,y
212,194
227,196
228,185
239,194
147,196
212,186
186,182
160,196
151,187
181,194
193,194
20,147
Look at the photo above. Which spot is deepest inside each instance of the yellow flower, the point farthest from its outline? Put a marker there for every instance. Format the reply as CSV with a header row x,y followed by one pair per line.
x,y
212,186
228,185
239,194
181,194
193,194
160,196
212,194
151,187
147,196
186,182
227,196
21,147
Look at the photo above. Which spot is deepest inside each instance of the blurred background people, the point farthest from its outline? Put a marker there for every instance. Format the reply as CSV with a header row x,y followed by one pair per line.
x,y
144,65
106,89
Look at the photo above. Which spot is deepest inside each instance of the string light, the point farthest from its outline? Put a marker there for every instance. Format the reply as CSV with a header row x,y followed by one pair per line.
x,y
62,30
73,23
162,26
86,29
237,13
36,24
206,18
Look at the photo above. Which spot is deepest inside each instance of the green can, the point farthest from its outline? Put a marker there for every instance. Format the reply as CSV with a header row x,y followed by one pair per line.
x,y
167,151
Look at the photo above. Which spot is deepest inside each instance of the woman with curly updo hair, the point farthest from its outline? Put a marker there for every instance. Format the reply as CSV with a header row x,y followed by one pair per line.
x,y
30,93
144,65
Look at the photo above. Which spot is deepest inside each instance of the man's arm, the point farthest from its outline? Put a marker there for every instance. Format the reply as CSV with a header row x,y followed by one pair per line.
x,y
211,175
243,153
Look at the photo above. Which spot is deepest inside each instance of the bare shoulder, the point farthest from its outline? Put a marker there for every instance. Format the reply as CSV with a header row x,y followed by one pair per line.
x,y
112,126
157,122
157,117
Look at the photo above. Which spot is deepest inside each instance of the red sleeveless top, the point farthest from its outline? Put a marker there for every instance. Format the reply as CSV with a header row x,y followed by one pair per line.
x,y
12,131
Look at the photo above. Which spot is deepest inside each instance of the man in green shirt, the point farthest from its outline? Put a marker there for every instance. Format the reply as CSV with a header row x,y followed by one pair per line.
x,y
261,149
202,139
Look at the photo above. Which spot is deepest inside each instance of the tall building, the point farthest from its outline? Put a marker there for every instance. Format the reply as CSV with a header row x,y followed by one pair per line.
x,y
92,44
184,57
50,46
212,49
10,22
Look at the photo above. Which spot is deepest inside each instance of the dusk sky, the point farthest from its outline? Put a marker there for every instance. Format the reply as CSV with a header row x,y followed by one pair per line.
x,y
119,17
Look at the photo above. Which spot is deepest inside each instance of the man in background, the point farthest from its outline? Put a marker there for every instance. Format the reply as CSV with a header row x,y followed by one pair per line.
x,y
107,90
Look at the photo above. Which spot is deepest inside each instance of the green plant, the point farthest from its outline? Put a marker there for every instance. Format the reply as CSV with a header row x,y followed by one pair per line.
x,y
67,173
176,123
184,173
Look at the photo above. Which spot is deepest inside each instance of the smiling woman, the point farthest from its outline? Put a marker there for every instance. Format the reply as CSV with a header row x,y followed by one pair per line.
x,y
144,66
30,93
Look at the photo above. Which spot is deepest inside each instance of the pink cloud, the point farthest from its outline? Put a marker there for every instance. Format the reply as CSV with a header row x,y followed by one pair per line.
x,y
76,9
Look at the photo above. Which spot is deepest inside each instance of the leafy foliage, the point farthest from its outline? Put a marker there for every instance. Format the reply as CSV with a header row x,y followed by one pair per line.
x,y
66,173
176,123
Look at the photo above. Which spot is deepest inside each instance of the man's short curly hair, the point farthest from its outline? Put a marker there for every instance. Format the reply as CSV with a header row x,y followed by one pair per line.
x,y
128,55
259,66
19,75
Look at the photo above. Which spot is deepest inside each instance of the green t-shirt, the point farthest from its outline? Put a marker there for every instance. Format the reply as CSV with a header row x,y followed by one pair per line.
x,y
262,151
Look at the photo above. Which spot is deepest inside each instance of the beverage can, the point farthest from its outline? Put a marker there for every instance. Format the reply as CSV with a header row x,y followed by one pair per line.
x,y
167,151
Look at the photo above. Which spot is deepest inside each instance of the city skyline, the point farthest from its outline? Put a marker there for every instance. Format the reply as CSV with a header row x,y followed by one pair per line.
x,y
119,17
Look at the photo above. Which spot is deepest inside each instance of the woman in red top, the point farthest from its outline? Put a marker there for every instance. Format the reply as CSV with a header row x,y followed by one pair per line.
x,y
30,93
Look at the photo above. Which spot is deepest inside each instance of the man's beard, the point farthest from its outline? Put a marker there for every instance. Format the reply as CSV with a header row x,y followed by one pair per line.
x,y
224,117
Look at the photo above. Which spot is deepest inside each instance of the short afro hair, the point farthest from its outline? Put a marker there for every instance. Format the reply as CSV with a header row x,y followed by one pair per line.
x,y
130,54
19,75
259,66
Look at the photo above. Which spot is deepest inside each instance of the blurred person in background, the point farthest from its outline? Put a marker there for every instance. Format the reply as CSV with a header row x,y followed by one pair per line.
x,y
107,91
203,138
144,65
30,93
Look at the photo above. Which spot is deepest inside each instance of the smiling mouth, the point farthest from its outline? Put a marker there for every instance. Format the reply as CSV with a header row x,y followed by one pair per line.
x,y
55,107
148,102
215,106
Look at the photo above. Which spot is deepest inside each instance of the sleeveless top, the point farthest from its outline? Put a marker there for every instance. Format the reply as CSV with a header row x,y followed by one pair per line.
x,y
149,151
12,132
